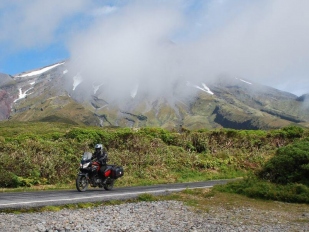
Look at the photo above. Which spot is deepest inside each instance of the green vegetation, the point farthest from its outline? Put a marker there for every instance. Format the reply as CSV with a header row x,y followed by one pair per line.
x,y
284,177
41,155
146,197
256,188
289,165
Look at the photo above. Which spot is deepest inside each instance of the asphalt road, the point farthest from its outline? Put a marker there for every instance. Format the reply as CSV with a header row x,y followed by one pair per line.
x,y
44,198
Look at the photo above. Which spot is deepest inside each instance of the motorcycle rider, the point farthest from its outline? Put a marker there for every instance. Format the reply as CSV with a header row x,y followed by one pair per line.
x,y
101,156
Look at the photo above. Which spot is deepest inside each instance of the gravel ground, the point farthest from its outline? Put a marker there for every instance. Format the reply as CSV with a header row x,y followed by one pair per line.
x,y
155,217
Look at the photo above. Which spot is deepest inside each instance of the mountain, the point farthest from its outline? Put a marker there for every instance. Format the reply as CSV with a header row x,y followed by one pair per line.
x,y
7,85
52,93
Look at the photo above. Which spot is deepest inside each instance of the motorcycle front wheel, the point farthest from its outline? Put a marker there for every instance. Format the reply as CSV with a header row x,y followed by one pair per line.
x,y
81,183
109,184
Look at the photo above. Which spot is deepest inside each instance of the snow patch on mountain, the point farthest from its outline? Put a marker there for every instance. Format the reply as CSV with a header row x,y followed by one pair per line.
x,y
204,88
207,89
96,87
243,81
39,71
77,80
22,94
134,91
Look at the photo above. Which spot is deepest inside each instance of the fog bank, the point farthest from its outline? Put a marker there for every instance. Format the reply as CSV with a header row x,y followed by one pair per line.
x,y
149,47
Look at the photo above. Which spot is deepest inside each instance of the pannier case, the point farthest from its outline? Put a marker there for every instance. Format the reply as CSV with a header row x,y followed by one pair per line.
x,y
117,171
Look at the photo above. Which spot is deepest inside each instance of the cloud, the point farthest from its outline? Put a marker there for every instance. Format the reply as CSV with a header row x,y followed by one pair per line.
x,y
154,44
104,10
129,48
265,42
29,24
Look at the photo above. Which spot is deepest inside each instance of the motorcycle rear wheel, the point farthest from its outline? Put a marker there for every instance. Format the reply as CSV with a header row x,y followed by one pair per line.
x,y
109,184
81,183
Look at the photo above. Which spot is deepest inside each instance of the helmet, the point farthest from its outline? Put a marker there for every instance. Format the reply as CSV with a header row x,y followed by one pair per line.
x,y
98,147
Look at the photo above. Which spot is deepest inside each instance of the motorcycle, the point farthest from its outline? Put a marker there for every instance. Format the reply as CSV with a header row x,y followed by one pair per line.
x,y
89,173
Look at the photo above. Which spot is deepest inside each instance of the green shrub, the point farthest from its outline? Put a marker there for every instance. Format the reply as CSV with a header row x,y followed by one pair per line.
x,y
290,132
289,165
7,179
166,136
199,142
83,134
293,131
255,188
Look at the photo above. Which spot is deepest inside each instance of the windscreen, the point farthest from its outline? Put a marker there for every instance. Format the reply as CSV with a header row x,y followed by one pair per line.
x,y
87,155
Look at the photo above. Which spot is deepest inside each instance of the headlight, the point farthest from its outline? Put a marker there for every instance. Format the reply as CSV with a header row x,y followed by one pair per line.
x,y
85,165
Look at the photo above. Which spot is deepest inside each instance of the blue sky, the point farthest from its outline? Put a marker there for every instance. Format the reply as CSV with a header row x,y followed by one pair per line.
x,y
260,40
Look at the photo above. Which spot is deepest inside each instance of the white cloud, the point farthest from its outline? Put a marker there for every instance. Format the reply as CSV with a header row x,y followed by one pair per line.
x,y
27,24
262,41
266,41
127,49
129,43
105,10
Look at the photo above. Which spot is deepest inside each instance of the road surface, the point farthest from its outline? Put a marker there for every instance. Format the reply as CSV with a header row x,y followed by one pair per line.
x,y
44,198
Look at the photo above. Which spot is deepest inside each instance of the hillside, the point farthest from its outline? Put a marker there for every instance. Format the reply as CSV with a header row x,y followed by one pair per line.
x,y
54,94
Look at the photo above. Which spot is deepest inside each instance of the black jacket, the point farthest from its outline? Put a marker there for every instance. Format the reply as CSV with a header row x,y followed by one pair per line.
x,y
101,157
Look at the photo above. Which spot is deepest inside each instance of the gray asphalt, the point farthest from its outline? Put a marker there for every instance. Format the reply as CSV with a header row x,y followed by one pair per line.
x,y
44,198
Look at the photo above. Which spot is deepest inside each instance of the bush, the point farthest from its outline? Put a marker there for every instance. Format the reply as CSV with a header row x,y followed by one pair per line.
x,y
7,179
293,131
289,165
255,188
83,134
199,142
290,132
